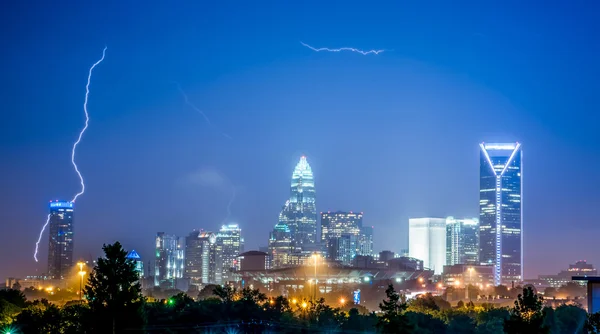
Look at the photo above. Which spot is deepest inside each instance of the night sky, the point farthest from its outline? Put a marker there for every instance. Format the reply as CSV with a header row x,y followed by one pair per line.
x,y
394,135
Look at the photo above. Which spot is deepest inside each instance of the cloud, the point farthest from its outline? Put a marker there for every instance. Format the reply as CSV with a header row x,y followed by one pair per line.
x,y
208,177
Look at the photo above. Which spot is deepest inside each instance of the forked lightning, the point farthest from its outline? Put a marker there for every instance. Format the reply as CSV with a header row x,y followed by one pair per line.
x,y
87,119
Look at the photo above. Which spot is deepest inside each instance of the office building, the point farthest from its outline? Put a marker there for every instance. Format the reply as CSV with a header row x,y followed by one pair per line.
x,y
580,268
280,246
300,213
230,244
60,243
459,275
386,255
202,259
137,261
365,241
427,242
340,233
500,215
170,262
462,241
253,261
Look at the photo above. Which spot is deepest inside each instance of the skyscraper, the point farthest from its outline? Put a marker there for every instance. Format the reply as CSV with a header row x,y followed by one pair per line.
x,y
280,245
202,258
230,242
365,241
427,242
340,232
137,260
170,262
60,244
462,241
300,213
500,216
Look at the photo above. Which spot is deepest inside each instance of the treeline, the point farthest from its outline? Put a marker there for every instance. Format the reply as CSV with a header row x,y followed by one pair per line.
x,y
114,304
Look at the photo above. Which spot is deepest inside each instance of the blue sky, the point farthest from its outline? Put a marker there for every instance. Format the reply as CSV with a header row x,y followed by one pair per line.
x,y
394,135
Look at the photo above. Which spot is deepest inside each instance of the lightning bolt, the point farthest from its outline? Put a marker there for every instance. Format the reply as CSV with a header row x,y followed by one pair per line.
x,y
364,53
187,101
87,120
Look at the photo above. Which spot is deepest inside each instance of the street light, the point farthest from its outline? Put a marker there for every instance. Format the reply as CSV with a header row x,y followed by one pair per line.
x,y
342,301
304,304
470,282
315,256
81,273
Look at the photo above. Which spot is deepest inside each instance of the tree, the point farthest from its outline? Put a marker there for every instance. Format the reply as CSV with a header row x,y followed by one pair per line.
x,y
428,303
393,319
593,323
207,292
114,293
526,316
39,317
570,319
491,321
226,293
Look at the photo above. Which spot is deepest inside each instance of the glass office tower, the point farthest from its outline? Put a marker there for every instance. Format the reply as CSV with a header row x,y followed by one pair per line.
x,y
500,214
60,243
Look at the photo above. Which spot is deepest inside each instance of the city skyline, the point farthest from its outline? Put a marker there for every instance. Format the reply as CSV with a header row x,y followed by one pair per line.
x,y
394,134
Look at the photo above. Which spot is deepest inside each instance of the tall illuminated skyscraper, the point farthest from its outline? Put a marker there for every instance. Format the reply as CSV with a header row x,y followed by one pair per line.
x,y
202,257
60,244
427,242
462,241
169,265
300,213
230,244
500,215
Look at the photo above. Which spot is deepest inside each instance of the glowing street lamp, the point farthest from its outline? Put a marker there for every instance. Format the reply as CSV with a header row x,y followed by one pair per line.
x,y
81,273
304,305
342,301
315,256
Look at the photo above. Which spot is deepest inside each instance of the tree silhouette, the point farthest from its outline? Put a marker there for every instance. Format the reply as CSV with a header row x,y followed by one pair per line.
x,y
393,319
113,292
593,323
526,317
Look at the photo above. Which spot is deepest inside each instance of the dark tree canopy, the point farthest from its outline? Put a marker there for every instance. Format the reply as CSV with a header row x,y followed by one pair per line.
x,y
113,291
393,318
526,316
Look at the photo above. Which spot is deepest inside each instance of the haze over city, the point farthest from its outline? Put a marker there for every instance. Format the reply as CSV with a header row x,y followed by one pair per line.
x,y
200,112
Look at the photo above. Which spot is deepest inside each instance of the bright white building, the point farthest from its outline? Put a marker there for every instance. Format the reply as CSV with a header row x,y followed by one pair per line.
x,y
427,242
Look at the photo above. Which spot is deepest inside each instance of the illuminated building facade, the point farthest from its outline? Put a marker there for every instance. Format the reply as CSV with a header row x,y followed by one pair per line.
x,y
280,246
169,265
230,245
202,259
137,260
365,241
340,233
500,211
427,242
60,243
300,213
462,241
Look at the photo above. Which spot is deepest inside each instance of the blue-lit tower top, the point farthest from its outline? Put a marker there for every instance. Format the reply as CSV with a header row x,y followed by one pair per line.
x,y
500,223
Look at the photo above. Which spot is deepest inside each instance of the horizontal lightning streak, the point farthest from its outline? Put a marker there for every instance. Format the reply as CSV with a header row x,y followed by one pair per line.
x,y
87,120
364,53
